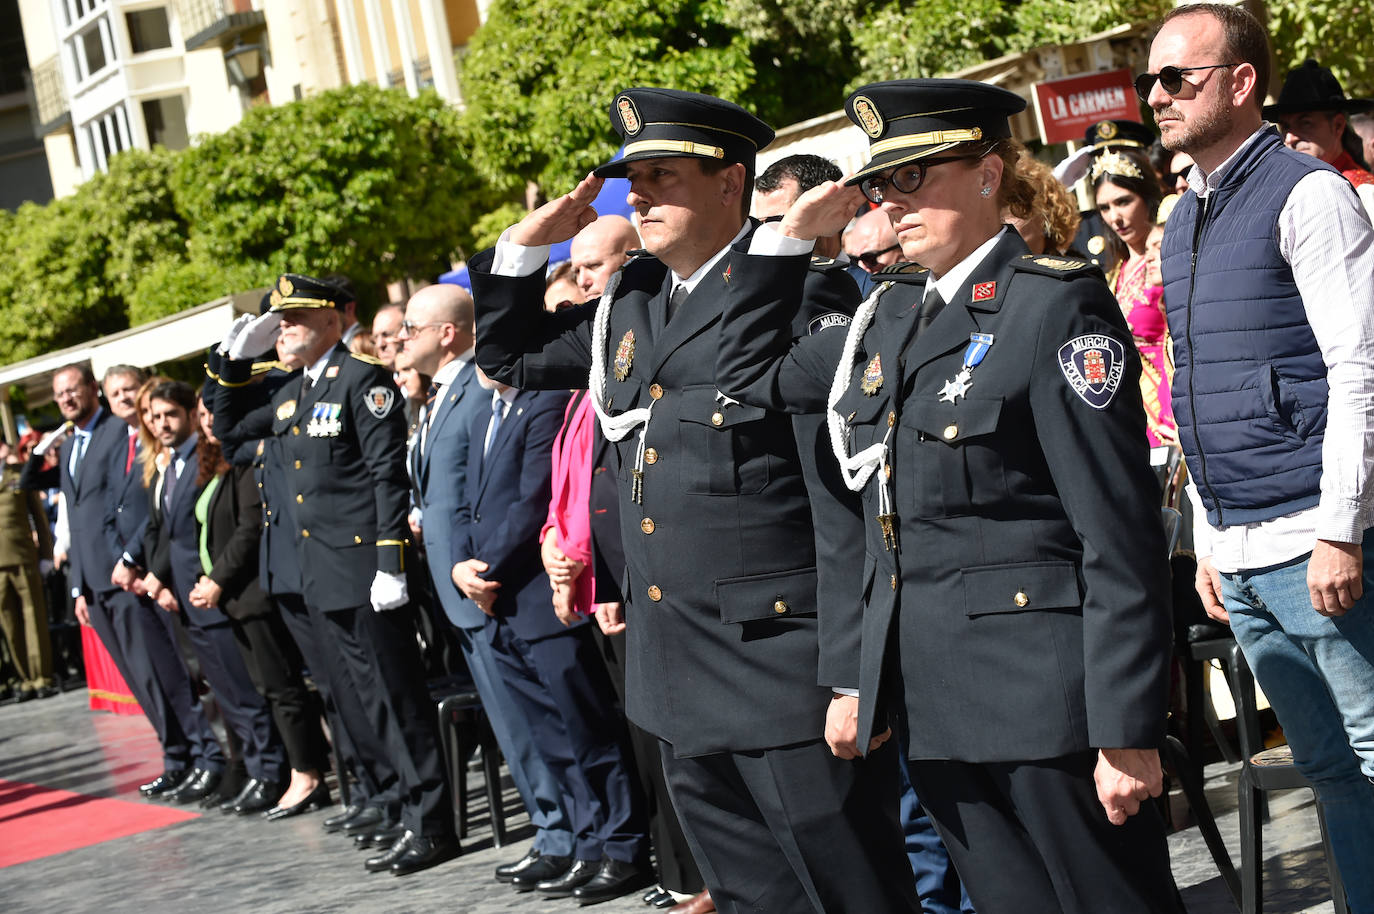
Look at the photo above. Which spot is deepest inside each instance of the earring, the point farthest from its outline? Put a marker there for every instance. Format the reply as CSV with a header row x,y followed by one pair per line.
x,y
985,191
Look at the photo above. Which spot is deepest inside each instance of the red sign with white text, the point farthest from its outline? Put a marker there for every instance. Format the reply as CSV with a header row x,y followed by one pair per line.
x,y
1068,107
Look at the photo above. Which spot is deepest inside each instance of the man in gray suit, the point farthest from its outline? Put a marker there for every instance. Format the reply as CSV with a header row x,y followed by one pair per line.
x,y
437,334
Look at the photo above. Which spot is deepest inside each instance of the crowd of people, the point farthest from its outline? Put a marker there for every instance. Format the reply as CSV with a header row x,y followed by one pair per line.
x,y
804,562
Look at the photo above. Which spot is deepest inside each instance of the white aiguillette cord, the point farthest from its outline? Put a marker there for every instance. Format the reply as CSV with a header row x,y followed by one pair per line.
x,y
615,428
857,468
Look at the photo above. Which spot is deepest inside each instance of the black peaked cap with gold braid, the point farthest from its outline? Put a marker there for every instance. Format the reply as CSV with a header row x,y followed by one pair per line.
x,y
910,119
296,290
669,123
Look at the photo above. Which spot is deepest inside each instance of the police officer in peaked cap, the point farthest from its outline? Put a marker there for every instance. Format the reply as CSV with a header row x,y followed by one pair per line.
x,y
721,588
1016,627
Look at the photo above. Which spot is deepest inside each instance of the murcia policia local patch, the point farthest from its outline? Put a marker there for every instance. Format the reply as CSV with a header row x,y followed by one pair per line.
x,y
379,400
1093,365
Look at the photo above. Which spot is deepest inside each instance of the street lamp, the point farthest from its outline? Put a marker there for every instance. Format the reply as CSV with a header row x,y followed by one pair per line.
x,y
244,62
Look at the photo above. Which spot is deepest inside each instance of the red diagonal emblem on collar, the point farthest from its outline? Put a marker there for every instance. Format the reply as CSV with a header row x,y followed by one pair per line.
x,y
984,290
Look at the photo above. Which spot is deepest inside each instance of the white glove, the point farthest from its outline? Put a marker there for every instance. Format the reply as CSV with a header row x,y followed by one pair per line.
x,y
243,320
51,438
388,591
1070,171
257,336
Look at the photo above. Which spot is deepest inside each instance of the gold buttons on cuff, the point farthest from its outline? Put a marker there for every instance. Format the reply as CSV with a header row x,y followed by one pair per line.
x,y
298,464
654,593
1020,599
951,431
300,499
656,391
717,418
780,607
305,533
647,525
650,456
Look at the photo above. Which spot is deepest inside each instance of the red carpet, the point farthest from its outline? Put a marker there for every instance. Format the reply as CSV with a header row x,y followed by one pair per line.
x,y
39,822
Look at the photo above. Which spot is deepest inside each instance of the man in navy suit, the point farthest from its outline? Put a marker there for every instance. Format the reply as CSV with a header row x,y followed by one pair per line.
x,y
553,670
158,677
437,335
137,642
172,546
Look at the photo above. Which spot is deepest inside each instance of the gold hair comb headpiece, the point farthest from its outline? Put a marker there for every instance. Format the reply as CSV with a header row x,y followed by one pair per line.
x,y
1114,163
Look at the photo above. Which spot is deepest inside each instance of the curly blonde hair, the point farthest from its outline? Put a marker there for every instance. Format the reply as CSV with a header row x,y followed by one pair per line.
x,y
1051,203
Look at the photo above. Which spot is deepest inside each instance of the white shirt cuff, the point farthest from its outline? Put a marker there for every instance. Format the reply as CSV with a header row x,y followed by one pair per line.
x,y
1340,520
769,242
516,259
848,693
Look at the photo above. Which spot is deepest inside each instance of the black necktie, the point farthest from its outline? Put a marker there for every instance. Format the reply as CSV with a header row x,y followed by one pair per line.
x,y
169,483
929,309
677,298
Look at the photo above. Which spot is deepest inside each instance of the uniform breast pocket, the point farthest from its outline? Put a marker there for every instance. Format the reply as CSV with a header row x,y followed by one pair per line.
x,y
721,446
956,469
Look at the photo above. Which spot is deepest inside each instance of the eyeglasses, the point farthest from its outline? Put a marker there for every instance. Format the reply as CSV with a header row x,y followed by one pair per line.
x,y
869,259
906,179
408,329
1170,79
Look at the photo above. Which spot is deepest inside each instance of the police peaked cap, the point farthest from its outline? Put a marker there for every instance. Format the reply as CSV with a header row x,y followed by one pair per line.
x,y
296,291
910,119
1119,133
1314,88
664,123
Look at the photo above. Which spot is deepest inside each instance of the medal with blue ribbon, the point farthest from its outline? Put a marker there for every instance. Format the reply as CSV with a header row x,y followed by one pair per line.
x,y
957,386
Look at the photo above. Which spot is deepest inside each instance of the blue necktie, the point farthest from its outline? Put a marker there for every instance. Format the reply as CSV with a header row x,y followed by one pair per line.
x,y
497,407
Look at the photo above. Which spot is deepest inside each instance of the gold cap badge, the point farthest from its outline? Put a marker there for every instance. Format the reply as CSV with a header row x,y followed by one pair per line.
x,y
869,118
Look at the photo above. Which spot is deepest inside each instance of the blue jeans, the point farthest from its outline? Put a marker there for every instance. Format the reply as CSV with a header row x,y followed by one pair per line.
x,y
1318,674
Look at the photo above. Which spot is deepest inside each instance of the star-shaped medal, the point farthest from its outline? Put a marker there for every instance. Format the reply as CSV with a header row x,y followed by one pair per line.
x,y
956,386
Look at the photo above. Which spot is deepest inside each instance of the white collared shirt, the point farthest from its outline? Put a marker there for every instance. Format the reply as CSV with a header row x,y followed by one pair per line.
x,y
312,374
443,378
1324,234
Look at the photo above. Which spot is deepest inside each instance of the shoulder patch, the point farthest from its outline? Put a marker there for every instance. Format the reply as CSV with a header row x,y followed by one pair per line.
x,y
826,321
369,359
378,400
1061,267
1093,365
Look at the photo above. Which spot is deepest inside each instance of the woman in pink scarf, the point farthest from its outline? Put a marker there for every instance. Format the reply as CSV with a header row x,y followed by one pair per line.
x,y
567,537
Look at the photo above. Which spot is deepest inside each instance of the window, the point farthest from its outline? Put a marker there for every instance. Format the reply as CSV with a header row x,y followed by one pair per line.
x,y
148,30
165,119
95,50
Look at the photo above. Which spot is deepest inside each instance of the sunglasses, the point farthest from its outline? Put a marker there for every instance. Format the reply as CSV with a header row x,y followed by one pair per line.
x,y
1170,79
906,179
869,259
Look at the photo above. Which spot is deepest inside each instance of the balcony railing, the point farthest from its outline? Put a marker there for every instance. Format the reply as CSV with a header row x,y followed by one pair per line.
x,y
215,21
50,102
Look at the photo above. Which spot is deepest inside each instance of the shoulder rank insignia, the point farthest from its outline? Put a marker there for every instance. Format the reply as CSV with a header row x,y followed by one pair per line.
x,y
873,376
826,321
1054,263
379,399
820,264
1059,267
369,359
625,355
286,410
1093,365
901,269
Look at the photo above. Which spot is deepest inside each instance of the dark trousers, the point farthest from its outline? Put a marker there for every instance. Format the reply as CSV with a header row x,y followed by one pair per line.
x,y
794,829
244,709
566,695
1032,838
141,640
677,869
379,651
358,745
274,664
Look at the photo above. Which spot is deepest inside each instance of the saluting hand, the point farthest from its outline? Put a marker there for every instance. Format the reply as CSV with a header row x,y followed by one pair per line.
x,y
1126,778
560,219
822,211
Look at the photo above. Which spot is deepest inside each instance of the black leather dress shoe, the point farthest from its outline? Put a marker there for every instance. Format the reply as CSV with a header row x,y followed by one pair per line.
x,y
580,873
316,799
508,871
164,783
258,797
384,860
197,787
363,822
227,804
421,853
47,691
660,898
383,835
548,866
337,821
614,879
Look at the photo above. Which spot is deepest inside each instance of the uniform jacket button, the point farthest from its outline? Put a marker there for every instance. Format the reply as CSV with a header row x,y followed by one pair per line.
x,y
656,391
780,606
650,456
717,418
295,429
647,525
300,499
1020,599
654,593
305,533
951,431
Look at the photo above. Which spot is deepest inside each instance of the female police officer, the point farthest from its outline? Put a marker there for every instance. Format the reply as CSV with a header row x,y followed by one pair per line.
x,y
1015,617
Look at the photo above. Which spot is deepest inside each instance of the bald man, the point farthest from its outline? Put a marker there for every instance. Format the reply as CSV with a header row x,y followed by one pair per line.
x,y
599,250
436,335
871,242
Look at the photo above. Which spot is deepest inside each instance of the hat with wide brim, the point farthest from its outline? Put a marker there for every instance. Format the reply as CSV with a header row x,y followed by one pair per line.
x,y
911,119
669,123
1311,87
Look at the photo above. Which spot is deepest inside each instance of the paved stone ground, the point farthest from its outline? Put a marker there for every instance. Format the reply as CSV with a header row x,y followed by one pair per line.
x,y
227,864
